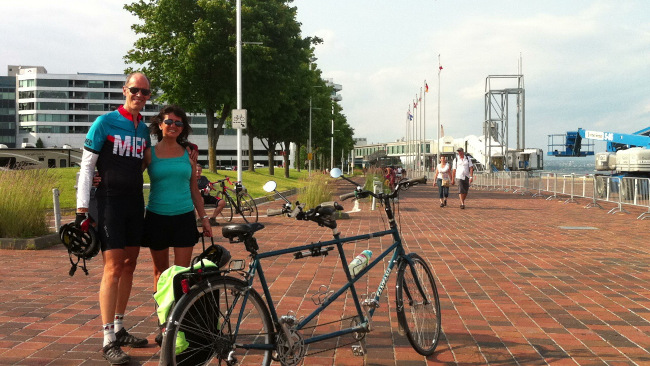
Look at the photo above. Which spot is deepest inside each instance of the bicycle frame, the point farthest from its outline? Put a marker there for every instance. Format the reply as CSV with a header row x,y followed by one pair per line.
x,y
235,202
397,254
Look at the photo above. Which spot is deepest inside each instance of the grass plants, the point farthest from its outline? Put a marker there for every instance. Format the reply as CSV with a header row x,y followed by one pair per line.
x,y
24,199
317,189
374,174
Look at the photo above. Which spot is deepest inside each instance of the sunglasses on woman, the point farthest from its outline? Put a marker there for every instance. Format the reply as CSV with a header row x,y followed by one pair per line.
x,y
135,91
169,122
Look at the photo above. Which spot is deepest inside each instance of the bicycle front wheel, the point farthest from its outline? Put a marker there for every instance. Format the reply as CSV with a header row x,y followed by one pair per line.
x,y
226,213
203,327
418,309
248,207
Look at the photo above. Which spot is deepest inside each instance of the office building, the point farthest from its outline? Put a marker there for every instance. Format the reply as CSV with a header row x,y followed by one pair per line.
x,y
58,109
8,111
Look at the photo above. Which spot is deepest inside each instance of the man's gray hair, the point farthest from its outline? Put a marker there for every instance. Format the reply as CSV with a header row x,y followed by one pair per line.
x,y
129,76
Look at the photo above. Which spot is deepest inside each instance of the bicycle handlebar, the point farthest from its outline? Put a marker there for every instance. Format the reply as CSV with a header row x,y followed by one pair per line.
x,y
362,193
274,212
344,197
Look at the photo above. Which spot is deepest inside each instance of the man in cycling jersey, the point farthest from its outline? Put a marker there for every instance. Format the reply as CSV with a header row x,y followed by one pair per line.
x,y
115,144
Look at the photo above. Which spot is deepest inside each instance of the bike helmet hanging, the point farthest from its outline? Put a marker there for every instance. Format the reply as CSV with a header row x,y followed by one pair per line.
x,y
80,243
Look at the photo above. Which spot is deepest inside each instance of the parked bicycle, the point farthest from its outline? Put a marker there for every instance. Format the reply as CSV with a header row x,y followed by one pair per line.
x,y
242,203
222,319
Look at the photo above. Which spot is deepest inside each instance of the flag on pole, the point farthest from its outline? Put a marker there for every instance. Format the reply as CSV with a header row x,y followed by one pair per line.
x,y
409,115
415,104
426,87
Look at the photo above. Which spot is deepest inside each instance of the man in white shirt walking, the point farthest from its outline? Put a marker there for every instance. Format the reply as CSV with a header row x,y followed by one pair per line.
x,y
463,172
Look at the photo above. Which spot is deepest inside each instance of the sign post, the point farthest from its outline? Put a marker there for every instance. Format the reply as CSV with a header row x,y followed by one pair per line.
x,y
239,118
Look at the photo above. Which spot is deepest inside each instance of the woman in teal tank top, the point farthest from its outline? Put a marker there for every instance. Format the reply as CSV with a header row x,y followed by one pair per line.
x,y
174,194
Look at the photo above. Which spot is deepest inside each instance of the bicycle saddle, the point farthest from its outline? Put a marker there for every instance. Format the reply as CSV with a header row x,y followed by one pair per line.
x,y
232,231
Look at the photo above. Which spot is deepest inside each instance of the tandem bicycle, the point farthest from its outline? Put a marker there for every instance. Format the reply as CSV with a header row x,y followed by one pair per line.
x,y
222,320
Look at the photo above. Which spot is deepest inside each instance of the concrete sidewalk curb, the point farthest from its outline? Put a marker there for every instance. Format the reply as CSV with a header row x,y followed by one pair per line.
x,y
40,242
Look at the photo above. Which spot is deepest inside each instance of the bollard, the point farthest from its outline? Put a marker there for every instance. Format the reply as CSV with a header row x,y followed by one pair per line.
x,y
57,209
377,186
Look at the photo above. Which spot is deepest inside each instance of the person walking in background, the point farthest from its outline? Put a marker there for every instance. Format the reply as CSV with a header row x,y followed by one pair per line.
x,y
463,172
116,144
443,179
204,189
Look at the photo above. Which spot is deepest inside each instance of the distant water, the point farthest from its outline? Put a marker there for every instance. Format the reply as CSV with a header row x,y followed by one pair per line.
x,y
586,165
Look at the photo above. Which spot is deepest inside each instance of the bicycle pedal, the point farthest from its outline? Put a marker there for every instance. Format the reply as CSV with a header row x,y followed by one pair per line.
x,y
370,303
288,319
358,350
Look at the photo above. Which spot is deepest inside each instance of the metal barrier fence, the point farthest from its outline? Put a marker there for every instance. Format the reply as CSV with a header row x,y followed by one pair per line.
x,y
622,191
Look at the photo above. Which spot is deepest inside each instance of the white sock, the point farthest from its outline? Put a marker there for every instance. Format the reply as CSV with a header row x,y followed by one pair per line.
x,y
109,334
119,320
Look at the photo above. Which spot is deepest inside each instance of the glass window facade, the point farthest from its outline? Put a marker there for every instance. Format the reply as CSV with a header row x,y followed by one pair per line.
x,y
52,117
8,111
55,94
54,106
27,83
56,83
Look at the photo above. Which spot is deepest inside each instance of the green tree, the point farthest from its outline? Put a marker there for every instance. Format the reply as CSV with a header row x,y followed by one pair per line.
x,y
186,48
275,75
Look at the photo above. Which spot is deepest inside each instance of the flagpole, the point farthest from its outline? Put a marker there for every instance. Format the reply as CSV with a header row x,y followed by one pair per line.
x,y
438,145
421,156
406,132
406,141
424,121
413,137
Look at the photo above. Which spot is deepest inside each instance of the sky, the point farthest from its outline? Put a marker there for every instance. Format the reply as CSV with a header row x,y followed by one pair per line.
x,y
585,63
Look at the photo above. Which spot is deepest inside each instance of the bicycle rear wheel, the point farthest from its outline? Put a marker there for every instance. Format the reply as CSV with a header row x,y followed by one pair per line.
x,y
248,207
202,327
418,312
226,213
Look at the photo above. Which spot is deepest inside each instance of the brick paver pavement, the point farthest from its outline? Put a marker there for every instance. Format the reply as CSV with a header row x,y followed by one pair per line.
x,y
522,280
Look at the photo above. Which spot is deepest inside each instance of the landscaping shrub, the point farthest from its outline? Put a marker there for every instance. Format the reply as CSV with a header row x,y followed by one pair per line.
x,y
23,202
317,189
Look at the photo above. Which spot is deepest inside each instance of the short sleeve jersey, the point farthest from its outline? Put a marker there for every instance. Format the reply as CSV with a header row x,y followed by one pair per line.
x,y
121,147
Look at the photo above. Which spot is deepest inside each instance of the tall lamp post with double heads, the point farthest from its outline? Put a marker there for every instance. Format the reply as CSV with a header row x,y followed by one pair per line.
x,y
310,155
335,98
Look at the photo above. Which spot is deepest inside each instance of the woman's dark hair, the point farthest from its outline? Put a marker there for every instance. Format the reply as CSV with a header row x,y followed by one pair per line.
x,y
158,119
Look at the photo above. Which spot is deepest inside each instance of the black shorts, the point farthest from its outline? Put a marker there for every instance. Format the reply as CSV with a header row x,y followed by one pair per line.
x,y
162,232
463,185
120,221
210,200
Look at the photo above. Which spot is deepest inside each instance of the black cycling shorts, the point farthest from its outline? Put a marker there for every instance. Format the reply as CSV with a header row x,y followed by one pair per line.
x,y
211,200
120,221
177,231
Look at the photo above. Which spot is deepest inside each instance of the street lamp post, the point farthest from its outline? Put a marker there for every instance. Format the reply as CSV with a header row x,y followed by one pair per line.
x,y
332,148
309,154
335,98
239,89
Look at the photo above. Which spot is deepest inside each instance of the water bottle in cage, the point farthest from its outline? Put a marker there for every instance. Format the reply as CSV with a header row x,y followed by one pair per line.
x,y
359,262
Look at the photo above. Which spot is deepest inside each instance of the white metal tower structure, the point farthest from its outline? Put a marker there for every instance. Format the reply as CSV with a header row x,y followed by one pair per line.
x,y
495,126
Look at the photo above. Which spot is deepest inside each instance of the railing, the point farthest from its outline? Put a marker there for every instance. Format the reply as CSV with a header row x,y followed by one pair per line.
x,y
622,191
